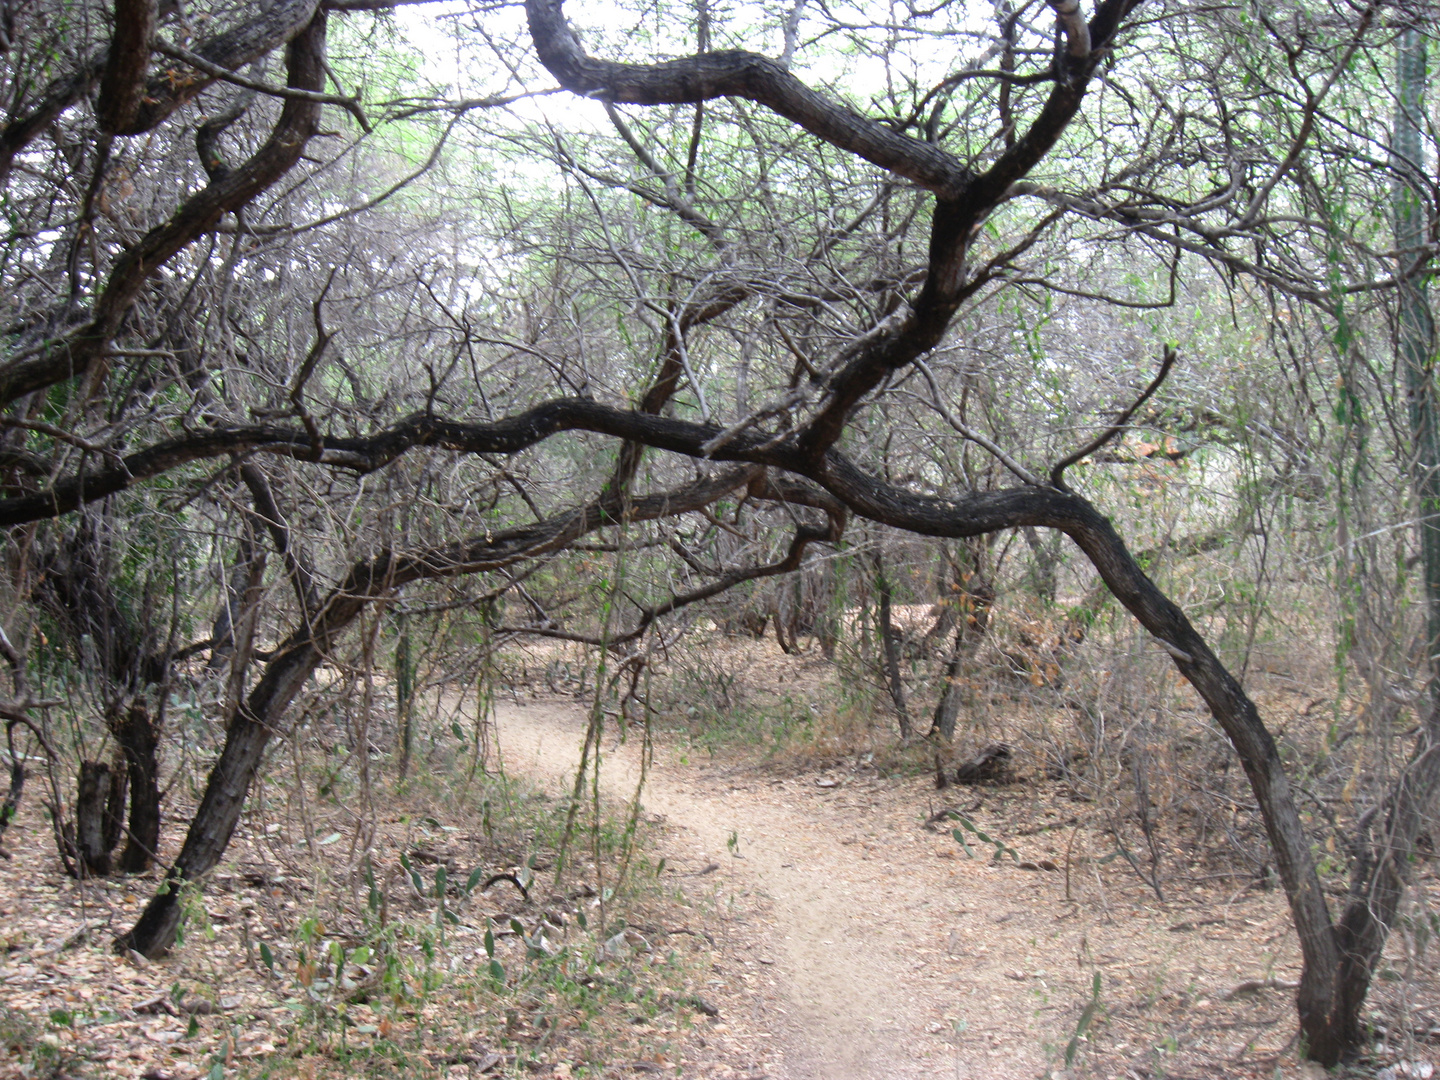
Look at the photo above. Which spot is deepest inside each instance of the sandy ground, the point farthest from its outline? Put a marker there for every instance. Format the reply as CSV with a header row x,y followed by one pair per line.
x,y
876,948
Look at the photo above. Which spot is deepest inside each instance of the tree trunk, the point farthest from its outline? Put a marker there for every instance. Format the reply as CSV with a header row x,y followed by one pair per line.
x,y
139,737
92,795
219,811
947,709
114,824
829,611
11,806
1317,997
1047,563
222,634
973,615
782,617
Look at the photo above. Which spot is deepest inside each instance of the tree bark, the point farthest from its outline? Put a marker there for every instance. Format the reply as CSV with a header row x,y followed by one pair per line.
x,y
138,735
114,825
92,793
973,618
404,693
122,85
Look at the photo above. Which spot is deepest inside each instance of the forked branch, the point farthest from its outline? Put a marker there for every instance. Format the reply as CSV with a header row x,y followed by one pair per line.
x,y
1057,474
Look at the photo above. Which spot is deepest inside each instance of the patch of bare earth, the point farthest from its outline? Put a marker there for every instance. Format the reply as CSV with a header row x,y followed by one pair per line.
x,y
839,934
856,942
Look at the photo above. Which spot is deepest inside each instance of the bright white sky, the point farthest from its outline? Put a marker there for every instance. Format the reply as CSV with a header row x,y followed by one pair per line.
x,y
926,60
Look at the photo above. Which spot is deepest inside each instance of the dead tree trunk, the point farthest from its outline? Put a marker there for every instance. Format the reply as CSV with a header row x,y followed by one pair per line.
x,y
99,809
138,734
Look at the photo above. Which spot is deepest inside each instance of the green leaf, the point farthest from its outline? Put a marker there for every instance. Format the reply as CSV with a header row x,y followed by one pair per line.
x,y
580,918
497,972
217,1071
440,881
490,942
334,836
458,730
518,927
660,867
193,1028
960,839
455,919
474,879
374,898
414,874
360,955
267,957
1073,1046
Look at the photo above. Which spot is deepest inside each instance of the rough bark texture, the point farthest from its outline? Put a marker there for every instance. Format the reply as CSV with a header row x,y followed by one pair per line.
x,y
92,793
122,86
138,736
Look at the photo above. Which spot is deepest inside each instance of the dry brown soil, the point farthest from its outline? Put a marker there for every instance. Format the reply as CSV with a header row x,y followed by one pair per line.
x,y
840,937
866,946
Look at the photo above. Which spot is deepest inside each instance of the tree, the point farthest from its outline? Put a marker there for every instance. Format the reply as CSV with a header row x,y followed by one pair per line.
x,y
747,292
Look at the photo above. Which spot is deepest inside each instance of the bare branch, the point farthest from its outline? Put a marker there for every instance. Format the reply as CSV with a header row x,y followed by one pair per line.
x,y
1057,474
349,104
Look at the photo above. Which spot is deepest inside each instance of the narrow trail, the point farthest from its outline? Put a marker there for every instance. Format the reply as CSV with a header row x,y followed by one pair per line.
x,y
865,942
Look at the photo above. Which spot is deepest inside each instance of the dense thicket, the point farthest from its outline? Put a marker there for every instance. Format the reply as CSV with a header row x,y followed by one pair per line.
x,y
640,311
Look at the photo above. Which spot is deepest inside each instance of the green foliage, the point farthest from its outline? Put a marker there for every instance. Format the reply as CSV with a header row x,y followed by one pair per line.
x,y
1087,1016
1001,848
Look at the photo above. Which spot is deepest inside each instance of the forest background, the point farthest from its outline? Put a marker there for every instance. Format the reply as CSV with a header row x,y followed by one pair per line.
x,y
326,383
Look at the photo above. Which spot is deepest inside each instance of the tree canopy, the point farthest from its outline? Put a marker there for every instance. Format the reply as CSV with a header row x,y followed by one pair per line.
x,y
293,329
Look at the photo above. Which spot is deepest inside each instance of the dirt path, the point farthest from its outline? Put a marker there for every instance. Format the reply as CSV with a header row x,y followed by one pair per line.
x,y
880,942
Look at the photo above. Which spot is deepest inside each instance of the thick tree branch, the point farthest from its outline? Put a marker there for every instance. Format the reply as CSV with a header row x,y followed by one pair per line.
x,y
747,75
230,51
165,92
122,86
199,63
230,191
